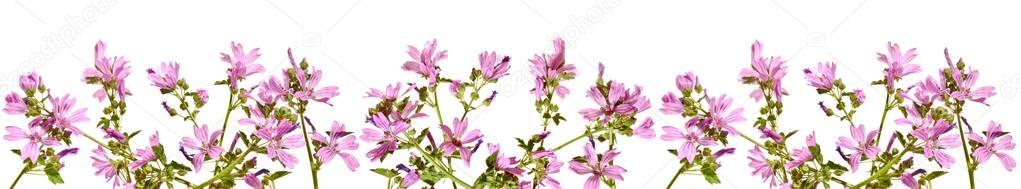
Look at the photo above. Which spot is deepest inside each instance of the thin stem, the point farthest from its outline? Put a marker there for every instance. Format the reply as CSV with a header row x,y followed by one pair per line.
x,y
882,121
101,144
882,171
308,150
436,105
23,171
746,137
964,146
226,117
225,172
445,171
575,139
678,174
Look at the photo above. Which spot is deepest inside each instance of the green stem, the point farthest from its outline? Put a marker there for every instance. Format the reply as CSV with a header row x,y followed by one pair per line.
x,y
886,167
226,172
964,146
575,139
23,171
308,150
226,117
436,105
445,171
882,121
678,174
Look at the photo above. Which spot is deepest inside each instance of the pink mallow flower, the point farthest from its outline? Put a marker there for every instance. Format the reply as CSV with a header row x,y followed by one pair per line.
x,y
645,129
205,143
597,166
104,167
801,155
424,62
241,63
335,145
108,70
14,105
935,143
308,82
36,137
384,136
692,139
765,70
995,142
493,66
146,155
898,64
861,145
30,81
553,167
505,163
459,139
720,115
279,142
823,77
551,68
64,114
966,83
165,77
760,166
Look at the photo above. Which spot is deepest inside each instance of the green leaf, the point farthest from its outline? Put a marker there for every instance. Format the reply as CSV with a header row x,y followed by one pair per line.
x,y
54,175
277,175
388,173
710,175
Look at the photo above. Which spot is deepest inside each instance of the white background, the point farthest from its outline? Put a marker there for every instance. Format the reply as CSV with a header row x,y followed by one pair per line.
x,y
361,44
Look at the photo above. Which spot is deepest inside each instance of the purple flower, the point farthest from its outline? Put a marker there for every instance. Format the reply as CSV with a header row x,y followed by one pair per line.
x,y
308,81
108,70
552,167
385,136
63,115
205,143
671,104
720,116
493,66
800,156
935,143
36,137
549,70
165,77
30,81
14,105
241,64
760,166
645,129
686,82
424,62
412,176
908,179
146,155
279,142
392,92
253,181
965,85
335,145
692,139
203,96
104,167
598,166
504,163
459,139
862,144
823,77
995,142
765,71
898,64
616,100
859,96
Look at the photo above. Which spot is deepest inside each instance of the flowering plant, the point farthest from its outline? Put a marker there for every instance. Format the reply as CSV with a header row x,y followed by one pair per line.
x,y
275,126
